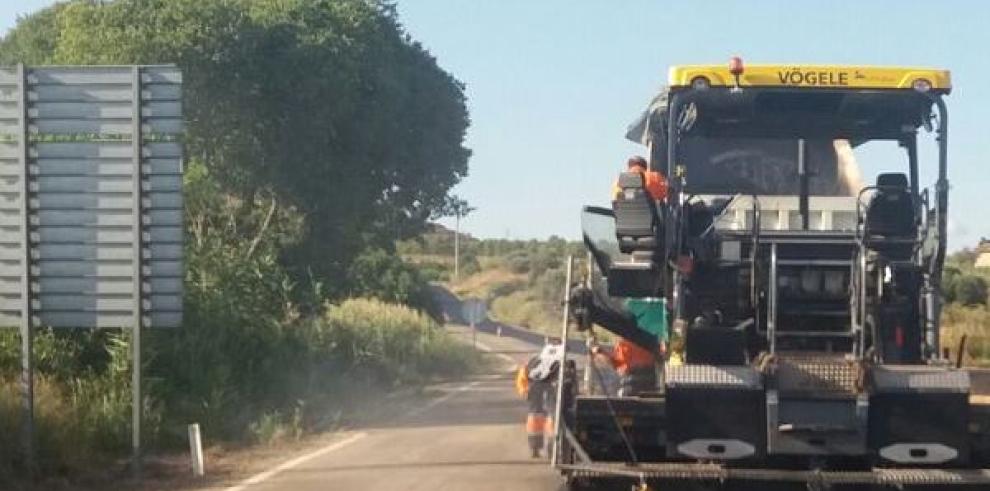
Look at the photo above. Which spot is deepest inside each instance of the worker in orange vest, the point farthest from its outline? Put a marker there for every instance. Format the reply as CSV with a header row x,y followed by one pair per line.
x,y
635,365
535,382
653,182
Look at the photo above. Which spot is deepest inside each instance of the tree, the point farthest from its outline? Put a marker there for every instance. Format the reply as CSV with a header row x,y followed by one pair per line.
x,y
970,290
325,107
950,275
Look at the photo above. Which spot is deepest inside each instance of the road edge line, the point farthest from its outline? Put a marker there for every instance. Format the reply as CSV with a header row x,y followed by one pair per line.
x,y
488,349
284,466
442,399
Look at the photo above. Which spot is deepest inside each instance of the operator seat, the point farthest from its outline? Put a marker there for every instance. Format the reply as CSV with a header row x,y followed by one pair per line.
x,y
637,228
636,215
890,221
890,238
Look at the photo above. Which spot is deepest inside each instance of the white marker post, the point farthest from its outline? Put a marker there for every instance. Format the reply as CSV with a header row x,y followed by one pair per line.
x,y
196,450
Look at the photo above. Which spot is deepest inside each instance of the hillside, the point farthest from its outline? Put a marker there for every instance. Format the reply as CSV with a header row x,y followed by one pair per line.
x,y
522,280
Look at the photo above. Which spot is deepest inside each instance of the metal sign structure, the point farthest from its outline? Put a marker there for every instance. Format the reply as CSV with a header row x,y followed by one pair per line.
x,y
473,310
90,204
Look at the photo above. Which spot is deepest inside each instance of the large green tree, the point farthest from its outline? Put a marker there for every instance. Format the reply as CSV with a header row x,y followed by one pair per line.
x,y
325,108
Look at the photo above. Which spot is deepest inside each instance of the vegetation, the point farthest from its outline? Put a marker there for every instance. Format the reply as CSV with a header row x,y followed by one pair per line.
x,y
964,287
522,280
317,133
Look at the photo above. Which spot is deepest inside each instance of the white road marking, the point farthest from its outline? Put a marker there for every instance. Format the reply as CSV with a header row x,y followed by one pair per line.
x,y
488,349
264,476
442,399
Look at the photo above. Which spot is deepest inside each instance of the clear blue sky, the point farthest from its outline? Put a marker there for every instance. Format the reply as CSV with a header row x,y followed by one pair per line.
x,y
553,84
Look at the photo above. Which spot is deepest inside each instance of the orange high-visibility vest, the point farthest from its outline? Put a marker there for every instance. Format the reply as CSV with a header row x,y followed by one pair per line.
x,y
628,356
653,182
522,381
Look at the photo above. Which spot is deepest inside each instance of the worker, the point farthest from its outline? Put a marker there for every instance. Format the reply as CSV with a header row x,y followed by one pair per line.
x,y
635,365
653,181
535,383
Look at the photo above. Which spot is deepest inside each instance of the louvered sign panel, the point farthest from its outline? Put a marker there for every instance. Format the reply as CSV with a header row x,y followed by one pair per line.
x,y
91,196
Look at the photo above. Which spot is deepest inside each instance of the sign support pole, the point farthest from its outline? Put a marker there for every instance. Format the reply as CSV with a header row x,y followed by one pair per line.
x,y
137,322
27,310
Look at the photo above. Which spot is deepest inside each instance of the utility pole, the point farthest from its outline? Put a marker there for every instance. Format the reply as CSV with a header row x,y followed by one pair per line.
x,y
459,208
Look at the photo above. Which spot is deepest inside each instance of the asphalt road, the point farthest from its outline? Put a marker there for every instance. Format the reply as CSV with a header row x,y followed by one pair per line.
x,y
470,436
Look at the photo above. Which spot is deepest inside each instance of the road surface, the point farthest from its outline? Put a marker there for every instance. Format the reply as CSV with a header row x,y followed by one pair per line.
x,y
469,437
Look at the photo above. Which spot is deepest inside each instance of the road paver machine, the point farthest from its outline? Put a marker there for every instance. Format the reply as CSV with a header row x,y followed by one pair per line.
x,y
806,301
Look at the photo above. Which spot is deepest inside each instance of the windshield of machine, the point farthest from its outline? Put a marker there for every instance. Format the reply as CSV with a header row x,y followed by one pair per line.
x,y
769,169
766,166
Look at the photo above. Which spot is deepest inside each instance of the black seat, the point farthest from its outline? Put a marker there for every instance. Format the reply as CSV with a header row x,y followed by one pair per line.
x,y
636,216
890,221
637,228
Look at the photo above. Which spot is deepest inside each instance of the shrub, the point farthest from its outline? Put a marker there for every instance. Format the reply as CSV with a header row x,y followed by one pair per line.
x,y
384,275
518,262
974,323
258,379
469,264
81,419
396,343
969,289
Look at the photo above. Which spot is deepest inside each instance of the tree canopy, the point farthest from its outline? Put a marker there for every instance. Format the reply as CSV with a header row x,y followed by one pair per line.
x,y
325,108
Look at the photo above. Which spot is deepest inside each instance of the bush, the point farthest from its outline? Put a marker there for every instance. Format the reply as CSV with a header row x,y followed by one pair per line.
x,y
974,323
542,261
518,262
384,275
82,419
255,379
967,289
469,264
396,342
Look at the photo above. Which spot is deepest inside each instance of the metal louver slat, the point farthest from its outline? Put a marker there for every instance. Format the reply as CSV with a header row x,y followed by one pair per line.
x,y
90,196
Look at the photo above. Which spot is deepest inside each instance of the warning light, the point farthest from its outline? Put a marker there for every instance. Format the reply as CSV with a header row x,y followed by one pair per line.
x,y
921,85
736,69
736,66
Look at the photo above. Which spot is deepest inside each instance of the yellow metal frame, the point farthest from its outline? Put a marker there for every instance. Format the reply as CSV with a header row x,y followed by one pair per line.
x,y
813,76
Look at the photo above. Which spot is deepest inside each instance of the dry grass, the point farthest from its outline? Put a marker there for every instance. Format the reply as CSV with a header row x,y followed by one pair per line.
x,y
522,308
974,323
488,283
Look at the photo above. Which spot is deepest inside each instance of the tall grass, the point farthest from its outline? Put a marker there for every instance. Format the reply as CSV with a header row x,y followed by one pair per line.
x,y
974,323
81,418
241,382
403,344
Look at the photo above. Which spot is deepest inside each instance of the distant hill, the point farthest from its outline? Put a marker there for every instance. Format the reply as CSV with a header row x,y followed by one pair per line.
x,y
522,280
